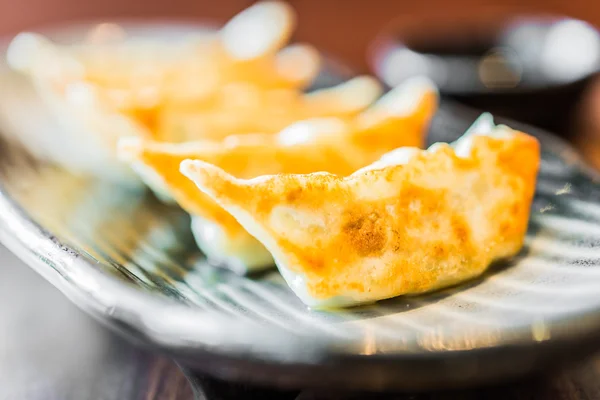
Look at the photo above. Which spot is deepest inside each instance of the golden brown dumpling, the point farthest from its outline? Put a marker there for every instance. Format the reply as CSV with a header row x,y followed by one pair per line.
x,y
412,222
243,108
112,85
338,145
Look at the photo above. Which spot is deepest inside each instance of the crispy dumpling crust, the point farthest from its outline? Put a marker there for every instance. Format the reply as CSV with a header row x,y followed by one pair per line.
x,y
335,145
390,230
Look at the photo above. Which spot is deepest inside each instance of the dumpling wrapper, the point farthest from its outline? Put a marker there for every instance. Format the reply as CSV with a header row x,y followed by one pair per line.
x,y
400,118
246,108
412,222
111,86
132,67
277,112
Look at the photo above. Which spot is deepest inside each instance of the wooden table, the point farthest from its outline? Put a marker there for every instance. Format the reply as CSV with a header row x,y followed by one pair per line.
x,y
49,349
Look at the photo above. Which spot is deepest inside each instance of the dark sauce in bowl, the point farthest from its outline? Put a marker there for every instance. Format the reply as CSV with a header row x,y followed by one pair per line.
x,y
533,69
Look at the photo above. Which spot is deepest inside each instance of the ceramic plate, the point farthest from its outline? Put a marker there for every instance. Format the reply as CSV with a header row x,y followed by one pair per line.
x,y
130,261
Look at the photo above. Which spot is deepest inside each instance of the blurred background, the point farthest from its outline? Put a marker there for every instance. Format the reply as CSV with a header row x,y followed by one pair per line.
x,y
348,29
342,27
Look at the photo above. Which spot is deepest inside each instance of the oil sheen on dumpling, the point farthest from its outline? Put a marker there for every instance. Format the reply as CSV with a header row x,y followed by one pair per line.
x,y
341,146
412,222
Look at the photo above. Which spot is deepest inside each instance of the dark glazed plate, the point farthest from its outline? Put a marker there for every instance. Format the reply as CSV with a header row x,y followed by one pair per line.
x,y
129,260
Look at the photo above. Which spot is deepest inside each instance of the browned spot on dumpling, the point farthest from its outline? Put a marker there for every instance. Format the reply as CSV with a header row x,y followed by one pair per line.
x,y
440,250
504,228
294,195
515,209
357,287
366,234
461,229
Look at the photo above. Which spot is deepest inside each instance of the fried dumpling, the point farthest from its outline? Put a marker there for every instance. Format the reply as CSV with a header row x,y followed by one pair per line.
x,y
112,85
135,71
412,222
245,108
338,145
